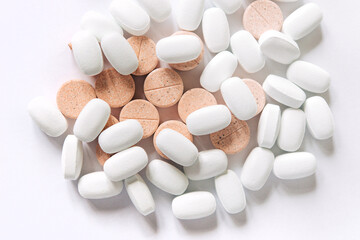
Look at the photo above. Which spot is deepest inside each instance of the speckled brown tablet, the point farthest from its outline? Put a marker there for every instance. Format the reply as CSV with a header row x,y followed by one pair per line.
x,y
101,155
144,112
145,50
258,92
262,15
163,87
112,120
72,96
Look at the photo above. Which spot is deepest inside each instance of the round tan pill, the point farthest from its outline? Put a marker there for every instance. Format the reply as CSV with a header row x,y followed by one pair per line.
x,y
233,138
163,87
262,15
101,155
258,92
193,100
144,112
72,96
112,120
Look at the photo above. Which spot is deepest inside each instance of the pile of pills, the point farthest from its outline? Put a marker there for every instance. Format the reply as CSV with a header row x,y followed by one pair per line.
x,y
266,35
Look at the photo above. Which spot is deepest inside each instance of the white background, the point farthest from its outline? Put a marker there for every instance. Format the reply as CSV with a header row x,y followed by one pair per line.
x,y
37,203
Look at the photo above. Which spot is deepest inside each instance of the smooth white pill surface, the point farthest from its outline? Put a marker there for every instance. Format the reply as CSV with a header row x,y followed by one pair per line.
x,y
228,6
189,14
72,157
269,126
294,165
158,10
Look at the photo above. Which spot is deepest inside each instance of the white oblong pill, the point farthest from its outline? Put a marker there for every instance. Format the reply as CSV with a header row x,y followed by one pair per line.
x,y
194,205
294,165
308,76
177,147
119,53
284,91
228,6
97,185
72,157
216,30
220,68
125,163
189,14
87,53
92,120
166,177
257,168
279,47
239,98
47,116
302,21
230,192
120,136
158,10
320,121
269,126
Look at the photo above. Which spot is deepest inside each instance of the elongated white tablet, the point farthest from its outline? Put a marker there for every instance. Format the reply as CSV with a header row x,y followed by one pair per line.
x,y
194,205
47,116
166,177
91,120
294,165
269,126
189,14
228,6
320,121
284,91
257,168
158,10
97,185
302,21
72,157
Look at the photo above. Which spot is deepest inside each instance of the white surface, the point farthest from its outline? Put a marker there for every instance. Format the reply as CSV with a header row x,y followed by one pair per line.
x,y
37,203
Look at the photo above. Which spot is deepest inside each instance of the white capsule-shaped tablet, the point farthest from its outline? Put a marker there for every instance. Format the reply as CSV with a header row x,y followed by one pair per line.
x,y
239,98
257,168
284,91
230,192
269,126
194,205
228,6
166,177
279,47
294,165
47,116
158,10
120,136
220,68
72,157
320,121
189,14
177,147
92,120
97,185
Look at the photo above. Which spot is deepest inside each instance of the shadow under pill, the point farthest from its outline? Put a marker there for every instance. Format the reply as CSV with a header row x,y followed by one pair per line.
x,y
151,220
200,225
260,196
310,41
299,186
110,204
239,219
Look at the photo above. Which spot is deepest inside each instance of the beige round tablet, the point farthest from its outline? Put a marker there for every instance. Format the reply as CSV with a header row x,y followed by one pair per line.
x,y
163,87
101,155
112,120
262,15
193,100
144,112
72,97
145,50
258,92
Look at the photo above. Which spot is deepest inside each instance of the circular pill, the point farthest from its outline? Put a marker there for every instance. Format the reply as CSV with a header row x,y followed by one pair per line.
x,y
262,15
258,92
144,112
101,155
72,97
193,100
163,87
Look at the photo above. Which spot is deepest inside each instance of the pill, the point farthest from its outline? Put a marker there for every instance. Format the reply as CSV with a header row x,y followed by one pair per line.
x,y
220,68
262,15
111,121
216,30
230,192
121,136
295,26
228,6
239,98
91,120
97,185
163,87
144,112
286,1
72,97
177,147
284,91
257,168
279,47
158,10
189,14
194,205
114,88
101,156
72,157
47,117
140,194
166,177
292,129
126,163
308,76
294,165
269,126
258,93
319,118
